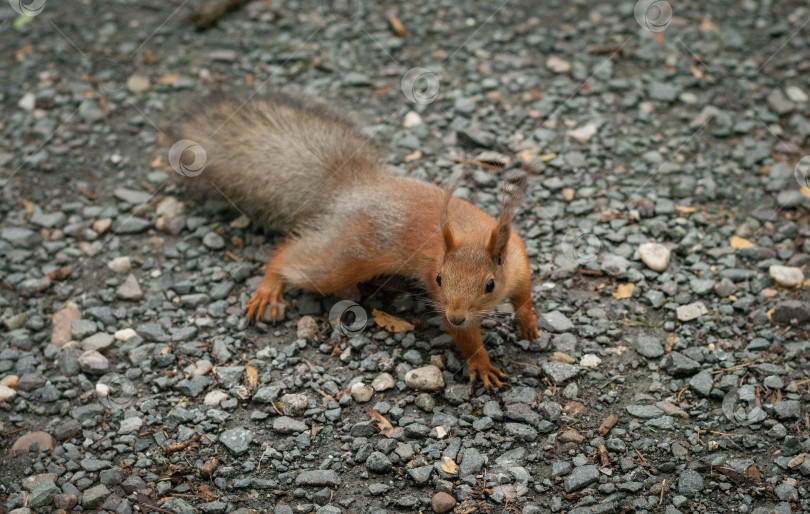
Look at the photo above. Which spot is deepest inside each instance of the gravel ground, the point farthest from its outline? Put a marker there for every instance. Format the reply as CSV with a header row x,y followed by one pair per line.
x,y
666,224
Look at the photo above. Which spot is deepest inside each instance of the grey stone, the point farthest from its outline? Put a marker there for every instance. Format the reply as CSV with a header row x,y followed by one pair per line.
x,y
236,440
556,321
649,346
581,477
679,365
42,495
690,483
559,372
318,477
702,383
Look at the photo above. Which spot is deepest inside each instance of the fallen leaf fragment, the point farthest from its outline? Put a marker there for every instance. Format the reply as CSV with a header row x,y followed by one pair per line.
x,y
623,291
385,427
738,243
449,467
391,323
397,26
251,377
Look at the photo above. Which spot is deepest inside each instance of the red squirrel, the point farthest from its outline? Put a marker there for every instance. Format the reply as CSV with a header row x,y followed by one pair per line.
x,y
303,168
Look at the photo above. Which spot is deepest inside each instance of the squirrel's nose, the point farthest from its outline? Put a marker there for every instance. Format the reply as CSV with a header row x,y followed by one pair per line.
x,y
456,319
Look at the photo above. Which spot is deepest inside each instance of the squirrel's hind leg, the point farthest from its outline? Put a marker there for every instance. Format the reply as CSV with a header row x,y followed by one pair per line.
x,y
270,291
313,266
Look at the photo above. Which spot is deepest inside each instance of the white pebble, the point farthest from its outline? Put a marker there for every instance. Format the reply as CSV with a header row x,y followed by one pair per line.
x,y
214,398
558,65
7,394
796,94
590,360
428,378
786,276
412,119
124,334
383,382
27,102
120,264
654,255
583,133
362,392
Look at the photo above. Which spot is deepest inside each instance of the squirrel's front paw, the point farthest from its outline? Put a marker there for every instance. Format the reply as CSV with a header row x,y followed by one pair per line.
x,y
257,305
528,332
527,325
488,374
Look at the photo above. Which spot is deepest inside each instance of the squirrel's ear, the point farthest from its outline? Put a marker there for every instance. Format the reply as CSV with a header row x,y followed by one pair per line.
x,y
447,235
498,239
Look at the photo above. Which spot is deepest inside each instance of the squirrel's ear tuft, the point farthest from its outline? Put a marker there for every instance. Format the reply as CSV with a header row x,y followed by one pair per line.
x,y
444,219
513,193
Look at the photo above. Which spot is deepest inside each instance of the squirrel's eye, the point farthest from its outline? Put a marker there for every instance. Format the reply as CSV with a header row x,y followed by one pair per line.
x,y
490,286
439,279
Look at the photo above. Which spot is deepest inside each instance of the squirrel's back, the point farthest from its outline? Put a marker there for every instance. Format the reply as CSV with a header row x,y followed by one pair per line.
x,y
280,160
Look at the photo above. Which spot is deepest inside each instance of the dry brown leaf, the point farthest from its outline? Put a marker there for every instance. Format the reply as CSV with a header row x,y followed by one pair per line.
x,y
769,314
251,377
697,73
623,291
397,26
169,79
769,293
414,156
391,323
670,342
738,242
385,426
685,209
29,206
449,467
805,191
798,460
706,25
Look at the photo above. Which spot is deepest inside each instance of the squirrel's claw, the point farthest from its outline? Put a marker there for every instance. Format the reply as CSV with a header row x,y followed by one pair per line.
x,y
257,305
488,374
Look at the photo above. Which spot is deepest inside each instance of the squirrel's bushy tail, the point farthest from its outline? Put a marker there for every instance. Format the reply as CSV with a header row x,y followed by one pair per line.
x,y
278,159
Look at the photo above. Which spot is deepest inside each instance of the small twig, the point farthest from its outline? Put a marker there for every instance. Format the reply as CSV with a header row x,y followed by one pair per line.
x,y
732,368
154,507
478,163
678,399
11,433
